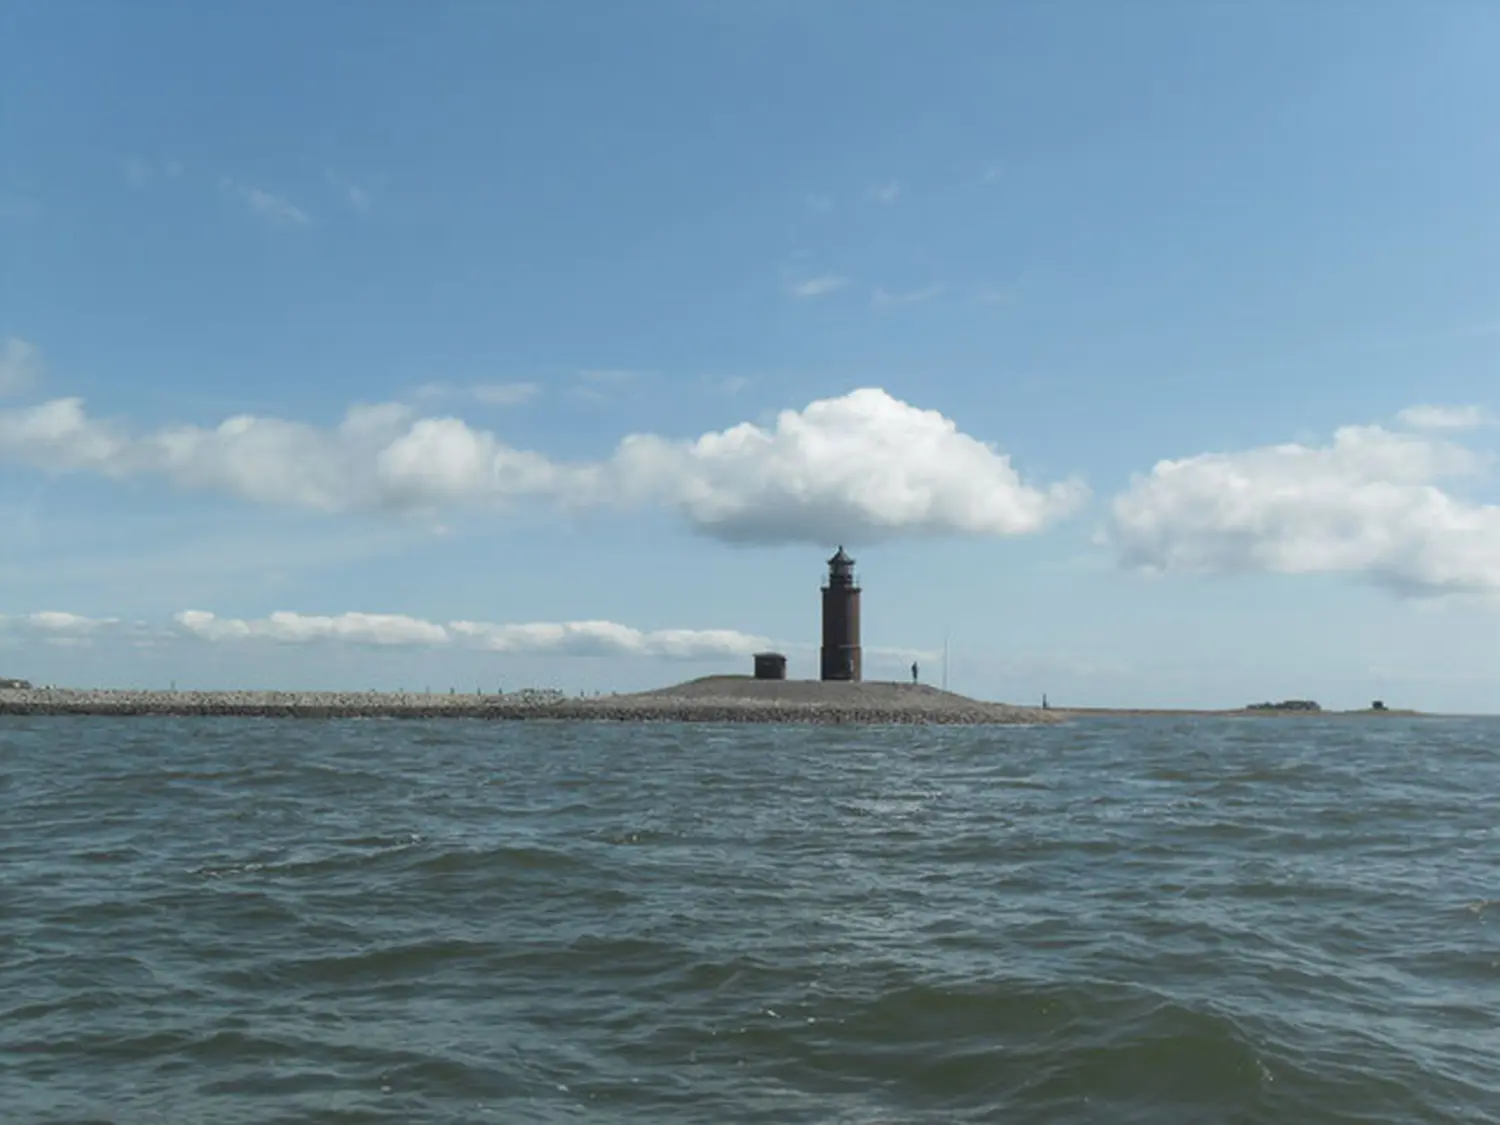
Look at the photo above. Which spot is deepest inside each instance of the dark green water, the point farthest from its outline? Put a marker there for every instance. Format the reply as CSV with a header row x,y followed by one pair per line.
x,y
1156,921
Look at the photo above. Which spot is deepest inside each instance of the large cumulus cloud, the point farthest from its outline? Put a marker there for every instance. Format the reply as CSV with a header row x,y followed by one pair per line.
x,y
860,467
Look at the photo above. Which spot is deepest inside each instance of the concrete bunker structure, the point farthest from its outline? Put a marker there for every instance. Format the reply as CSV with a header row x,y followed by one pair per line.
x,y
770,666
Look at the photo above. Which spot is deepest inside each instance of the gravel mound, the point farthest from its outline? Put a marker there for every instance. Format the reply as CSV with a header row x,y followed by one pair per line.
x,y
715,699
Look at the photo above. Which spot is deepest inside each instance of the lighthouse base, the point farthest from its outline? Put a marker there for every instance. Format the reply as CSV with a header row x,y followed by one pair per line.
x,y
841,663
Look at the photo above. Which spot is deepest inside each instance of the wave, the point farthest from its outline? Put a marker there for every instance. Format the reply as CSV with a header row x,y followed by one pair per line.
x,y
1125,921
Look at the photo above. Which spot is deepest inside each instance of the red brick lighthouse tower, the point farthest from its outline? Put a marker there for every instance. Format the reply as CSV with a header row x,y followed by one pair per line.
x,y
841,656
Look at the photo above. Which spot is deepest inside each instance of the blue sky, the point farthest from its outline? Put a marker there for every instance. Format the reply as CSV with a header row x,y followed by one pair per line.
x,y
642,309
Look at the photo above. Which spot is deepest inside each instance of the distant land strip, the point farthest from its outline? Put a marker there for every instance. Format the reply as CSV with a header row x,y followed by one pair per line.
x,y
1245,712
721,699
712,699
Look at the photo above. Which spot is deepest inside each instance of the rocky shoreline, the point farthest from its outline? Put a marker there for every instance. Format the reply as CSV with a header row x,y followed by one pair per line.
x,y
826,704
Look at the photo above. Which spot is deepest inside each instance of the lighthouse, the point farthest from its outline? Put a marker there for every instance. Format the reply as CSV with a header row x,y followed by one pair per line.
x,y
840,653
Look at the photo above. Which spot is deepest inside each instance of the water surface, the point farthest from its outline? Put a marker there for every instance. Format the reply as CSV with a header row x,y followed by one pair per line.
x,y
1154,920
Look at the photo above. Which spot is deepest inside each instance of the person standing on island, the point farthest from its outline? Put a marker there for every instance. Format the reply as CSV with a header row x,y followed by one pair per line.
x,y
913,671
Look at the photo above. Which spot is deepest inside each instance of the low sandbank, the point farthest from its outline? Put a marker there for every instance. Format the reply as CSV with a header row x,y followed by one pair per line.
x,y
713,699
1234,712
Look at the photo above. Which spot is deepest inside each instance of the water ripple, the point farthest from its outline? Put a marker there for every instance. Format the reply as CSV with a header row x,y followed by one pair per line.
x,y
1165,920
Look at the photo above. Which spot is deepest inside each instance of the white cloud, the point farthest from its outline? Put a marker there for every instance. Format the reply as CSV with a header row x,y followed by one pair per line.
x,y
568,638
296,628
59,436
276,210
1445,417
883,298
376,457
55,628
859,467
817,286
270,461
1369,503
442,461
606,638
886,193
69,624
20,366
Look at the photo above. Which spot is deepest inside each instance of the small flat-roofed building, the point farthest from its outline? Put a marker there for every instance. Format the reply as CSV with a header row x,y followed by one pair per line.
x,y
770,666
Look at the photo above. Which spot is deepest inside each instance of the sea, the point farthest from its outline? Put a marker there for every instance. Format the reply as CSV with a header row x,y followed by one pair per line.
x,y
1173,919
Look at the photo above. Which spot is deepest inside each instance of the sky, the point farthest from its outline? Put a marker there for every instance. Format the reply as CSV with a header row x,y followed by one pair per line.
x,y
1142,355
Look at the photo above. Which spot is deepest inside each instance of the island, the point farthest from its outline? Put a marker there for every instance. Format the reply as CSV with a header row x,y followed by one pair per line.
x,y
840,694
711,699
1252,711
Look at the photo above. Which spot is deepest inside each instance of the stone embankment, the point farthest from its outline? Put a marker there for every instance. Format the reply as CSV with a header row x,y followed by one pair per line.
x,y
720,699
